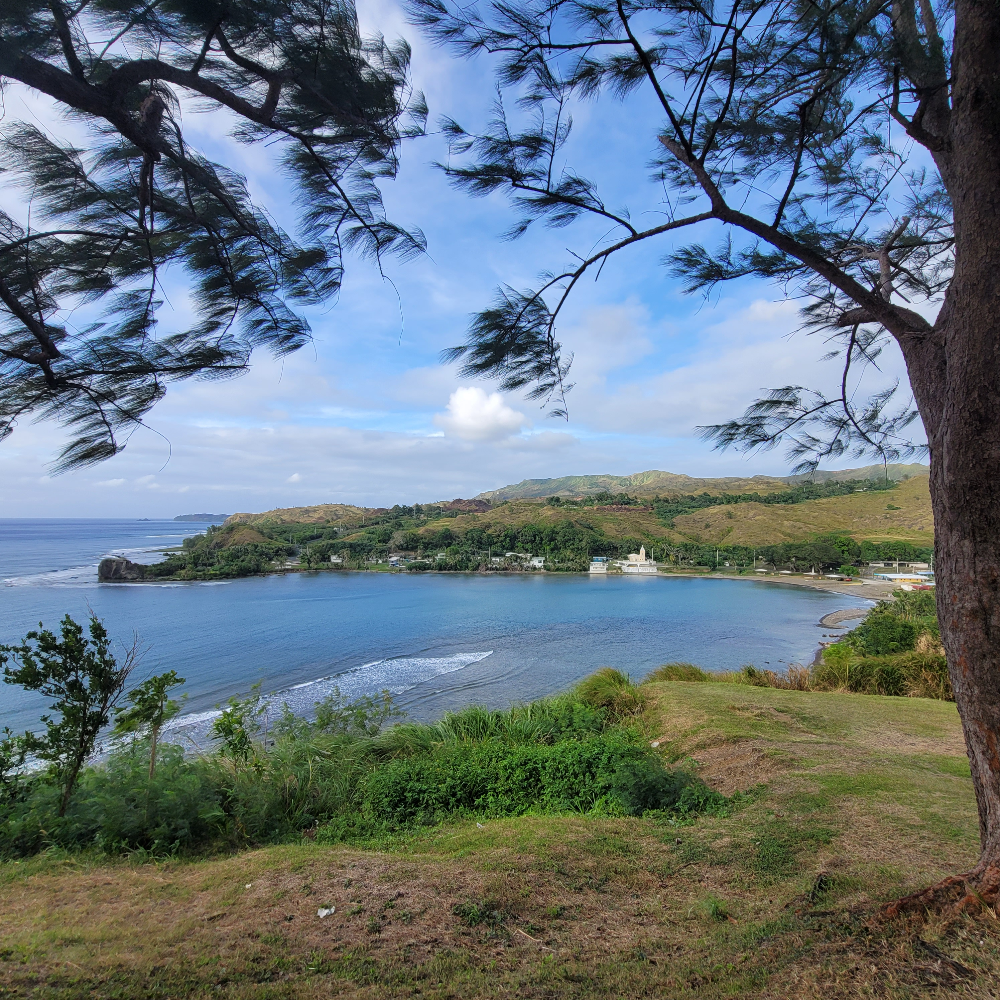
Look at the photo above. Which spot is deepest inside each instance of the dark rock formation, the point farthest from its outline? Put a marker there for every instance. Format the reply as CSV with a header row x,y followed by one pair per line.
x,y
118,569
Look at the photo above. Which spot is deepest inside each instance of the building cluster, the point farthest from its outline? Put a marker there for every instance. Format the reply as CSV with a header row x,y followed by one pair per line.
x,y
523,559
637,563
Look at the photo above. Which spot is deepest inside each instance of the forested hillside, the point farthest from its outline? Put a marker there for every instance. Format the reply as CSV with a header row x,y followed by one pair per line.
x,y
835,523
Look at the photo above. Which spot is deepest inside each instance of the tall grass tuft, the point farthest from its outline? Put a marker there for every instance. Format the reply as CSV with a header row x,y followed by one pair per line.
x,y
612,690
676,672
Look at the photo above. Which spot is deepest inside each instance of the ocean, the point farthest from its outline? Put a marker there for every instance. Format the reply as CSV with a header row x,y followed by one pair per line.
x,y
436,641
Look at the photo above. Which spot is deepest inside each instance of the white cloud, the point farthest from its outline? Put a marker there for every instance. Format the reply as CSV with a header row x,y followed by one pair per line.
x,y
475,416
294,478
110,482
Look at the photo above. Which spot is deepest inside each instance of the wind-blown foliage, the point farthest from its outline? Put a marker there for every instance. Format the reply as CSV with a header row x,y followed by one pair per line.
x,y
781,141
83,680
346,775
110,216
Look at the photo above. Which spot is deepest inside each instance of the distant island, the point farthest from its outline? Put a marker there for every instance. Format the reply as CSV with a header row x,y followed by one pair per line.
x,y
828,522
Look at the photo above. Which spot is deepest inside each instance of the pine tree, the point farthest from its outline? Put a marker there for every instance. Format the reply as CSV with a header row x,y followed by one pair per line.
x,y
847,149
105,219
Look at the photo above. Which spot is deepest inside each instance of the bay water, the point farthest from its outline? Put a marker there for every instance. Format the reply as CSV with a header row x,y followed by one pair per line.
x,y
437,641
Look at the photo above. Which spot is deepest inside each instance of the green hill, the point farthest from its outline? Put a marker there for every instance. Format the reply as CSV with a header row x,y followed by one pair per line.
x,y
656,483
649,484
896,471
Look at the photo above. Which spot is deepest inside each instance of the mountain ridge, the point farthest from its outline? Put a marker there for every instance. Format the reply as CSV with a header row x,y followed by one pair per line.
x,y
654,481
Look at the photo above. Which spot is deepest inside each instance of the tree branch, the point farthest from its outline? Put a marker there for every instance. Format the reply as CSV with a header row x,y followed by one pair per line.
x,y
34,326
66,40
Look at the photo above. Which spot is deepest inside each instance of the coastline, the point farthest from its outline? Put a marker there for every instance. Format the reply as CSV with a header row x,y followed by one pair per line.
x,y
868,591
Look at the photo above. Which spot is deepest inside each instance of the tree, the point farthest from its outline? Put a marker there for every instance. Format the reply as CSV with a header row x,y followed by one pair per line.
x,y
846,148
238,726
13,756
149,707
109,219
84,681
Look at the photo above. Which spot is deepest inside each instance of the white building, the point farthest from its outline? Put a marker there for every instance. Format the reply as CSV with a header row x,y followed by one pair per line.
x,y
901,577
638,563
536,562
599,564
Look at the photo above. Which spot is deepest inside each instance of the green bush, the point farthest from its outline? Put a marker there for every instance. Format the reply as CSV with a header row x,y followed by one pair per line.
x,y
917,675
609,773
877,675
882,632
118,808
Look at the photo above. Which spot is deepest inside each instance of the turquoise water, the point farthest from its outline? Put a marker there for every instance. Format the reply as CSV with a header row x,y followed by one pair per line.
x,y
438,641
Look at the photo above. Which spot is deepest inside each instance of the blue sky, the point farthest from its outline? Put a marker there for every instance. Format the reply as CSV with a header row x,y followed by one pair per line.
x,y
368,415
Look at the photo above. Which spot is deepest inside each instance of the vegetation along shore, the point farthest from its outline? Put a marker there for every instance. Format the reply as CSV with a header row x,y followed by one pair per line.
x,y
833,524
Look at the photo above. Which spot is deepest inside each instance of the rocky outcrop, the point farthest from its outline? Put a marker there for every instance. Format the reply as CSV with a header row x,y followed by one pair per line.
x,y
118,569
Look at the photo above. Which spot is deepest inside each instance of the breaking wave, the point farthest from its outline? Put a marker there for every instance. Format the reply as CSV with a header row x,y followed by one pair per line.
x,y
396,674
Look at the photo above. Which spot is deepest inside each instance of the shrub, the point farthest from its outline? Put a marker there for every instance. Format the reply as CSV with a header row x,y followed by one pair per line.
x,y
611,689
545,721
676,672
883,632
339,775
795,678
877,675
609,773
119,808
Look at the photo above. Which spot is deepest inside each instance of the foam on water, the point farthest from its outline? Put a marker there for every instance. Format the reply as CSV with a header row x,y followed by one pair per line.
x,y
82,576
397,675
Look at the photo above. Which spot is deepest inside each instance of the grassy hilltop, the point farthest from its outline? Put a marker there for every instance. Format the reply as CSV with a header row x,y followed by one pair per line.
x,y
903,513
846,801
654,483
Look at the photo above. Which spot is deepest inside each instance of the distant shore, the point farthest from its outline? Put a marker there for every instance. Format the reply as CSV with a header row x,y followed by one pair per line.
x,y
868,590
121,570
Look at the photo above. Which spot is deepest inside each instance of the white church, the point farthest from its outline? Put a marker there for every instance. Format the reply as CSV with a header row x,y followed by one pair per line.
x,y
637,562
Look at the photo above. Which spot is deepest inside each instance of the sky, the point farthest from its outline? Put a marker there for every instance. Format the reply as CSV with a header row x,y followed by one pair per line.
x,y
367,414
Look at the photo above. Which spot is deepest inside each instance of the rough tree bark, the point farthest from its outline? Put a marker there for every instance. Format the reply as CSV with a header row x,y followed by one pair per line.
x,y
955,373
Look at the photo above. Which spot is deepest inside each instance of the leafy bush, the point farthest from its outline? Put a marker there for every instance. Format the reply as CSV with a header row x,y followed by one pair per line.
x,y
119,808
915,674
610,773
795,678
676,672
882,632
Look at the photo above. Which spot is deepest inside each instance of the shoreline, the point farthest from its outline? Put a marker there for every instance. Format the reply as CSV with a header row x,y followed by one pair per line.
x,y
872,591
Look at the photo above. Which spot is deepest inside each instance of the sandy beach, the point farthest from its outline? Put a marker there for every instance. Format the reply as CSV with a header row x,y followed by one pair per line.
x,y
869,589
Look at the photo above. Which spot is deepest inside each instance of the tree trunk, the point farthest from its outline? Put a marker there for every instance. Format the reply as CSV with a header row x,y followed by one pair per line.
x,y
68,787
955,373
154,732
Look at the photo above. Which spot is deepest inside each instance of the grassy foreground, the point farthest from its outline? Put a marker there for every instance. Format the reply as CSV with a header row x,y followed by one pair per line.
x,y
853,800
